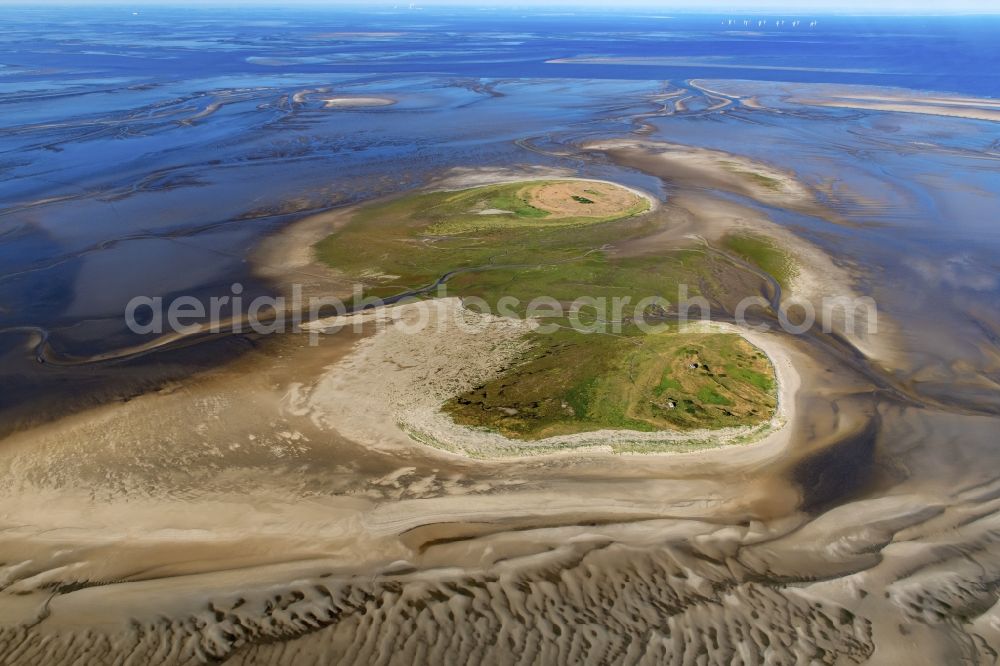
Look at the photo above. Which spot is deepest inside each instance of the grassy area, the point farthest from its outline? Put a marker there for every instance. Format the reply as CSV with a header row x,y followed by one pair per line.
x,y
397,245
670,380
570,382
764,254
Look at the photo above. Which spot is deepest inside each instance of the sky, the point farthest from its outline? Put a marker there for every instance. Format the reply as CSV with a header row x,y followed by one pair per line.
x,y
735,6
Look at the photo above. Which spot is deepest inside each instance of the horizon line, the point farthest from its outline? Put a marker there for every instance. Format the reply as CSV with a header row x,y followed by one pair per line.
x,y
833,9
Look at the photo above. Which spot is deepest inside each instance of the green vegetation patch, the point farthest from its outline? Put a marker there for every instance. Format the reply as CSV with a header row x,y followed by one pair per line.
x,y
570,382
399,245
764,254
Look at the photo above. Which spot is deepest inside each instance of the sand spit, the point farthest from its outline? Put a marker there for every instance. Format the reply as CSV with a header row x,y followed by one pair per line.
x,y
391,388
303,96
702,167
356,102
695,214
288,258
817,279
209,109
906,106
898,100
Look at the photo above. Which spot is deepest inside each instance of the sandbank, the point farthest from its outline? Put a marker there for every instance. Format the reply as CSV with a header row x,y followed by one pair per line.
x,y
356,102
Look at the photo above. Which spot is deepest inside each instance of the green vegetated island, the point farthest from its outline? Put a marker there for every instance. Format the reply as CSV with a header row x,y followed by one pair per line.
x,y
554,238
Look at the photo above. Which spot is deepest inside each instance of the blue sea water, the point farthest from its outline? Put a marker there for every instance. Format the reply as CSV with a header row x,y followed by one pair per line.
x,y
147,152
76,77
65,48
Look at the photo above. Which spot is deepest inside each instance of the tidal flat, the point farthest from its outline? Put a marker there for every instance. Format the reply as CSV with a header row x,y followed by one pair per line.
x,y
362,490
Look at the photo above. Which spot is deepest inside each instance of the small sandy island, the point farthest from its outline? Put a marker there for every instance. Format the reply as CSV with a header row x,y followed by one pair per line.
x,y
346,102
390,390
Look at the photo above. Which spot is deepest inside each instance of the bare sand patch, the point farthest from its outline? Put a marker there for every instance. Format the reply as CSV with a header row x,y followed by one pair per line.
x,y
356,102
581,198
703,167
460,178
